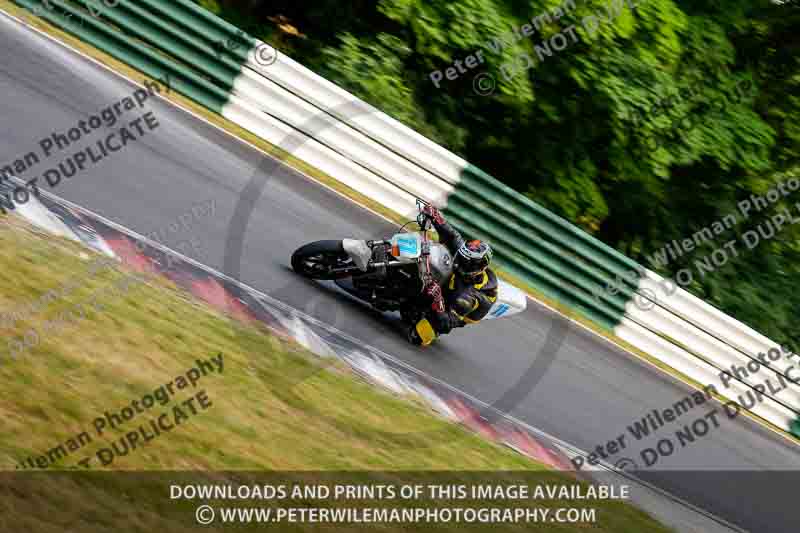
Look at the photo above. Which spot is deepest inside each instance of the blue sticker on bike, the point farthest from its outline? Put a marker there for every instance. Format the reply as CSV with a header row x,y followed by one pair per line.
x,y
500,311
407,245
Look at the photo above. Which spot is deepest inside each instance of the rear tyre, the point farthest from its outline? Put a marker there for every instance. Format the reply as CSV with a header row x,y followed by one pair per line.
x,y
316,260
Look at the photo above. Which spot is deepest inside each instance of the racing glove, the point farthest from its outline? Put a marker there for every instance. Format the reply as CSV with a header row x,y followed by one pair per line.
x,y
435,214
433,291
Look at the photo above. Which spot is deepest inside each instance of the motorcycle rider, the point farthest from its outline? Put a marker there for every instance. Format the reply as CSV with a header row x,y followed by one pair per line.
x,y
468,294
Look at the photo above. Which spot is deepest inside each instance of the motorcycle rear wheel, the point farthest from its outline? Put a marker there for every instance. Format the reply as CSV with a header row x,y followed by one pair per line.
x,y
316,260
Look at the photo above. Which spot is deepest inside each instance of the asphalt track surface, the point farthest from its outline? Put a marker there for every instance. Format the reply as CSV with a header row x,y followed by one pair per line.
x,y
537,366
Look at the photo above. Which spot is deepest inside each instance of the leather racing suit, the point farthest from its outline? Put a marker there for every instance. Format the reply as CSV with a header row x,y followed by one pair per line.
x,y
466,300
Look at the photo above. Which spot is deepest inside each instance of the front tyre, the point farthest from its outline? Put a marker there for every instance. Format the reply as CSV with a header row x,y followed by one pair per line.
x,y
322,260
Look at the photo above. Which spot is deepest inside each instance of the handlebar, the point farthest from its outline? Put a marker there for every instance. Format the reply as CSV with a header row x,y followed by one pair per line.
x,y
423,220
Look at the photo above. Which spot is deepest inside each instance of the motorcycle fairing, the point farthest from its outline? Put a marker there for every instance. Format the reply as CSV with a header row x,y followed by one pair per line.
x,y
441,262
510,301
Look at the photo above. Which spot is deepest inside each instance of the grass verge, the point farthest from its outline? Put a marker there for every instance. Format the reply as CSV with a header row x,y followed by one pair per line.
x,y
144,337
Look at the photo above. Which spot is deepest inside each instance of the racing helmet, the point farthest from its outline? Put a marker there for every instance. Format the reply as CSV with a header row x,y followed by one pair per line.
x,y
472,259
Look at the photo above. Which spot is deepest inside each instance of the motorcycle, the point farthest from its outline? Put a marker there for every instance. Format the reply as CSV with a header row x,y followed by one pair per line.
x,y
390,275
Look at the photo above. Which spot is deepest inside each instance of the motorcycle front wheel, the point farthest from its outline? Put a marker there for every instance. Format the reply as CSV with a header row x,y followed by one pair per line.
x,y
322,260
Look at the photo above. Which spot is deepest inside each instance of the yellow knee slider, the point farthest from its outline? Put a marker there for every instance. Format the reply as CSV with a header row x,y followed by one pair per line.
x,y
425,332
